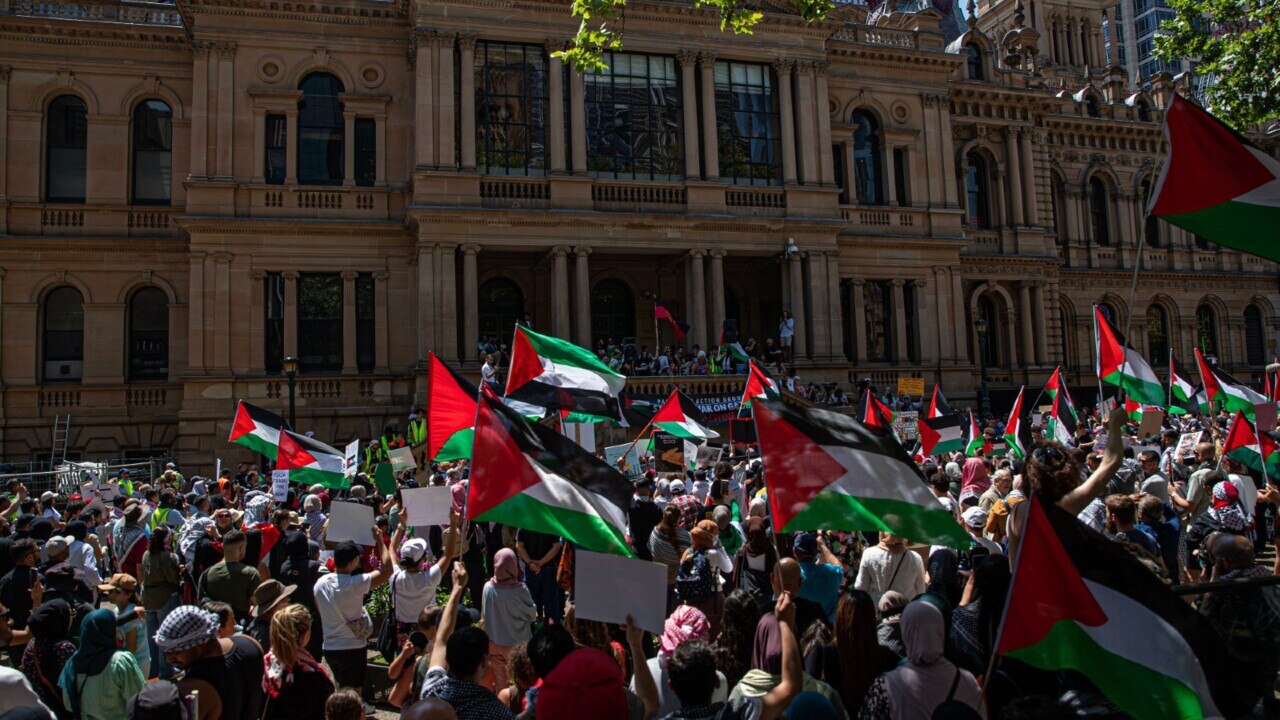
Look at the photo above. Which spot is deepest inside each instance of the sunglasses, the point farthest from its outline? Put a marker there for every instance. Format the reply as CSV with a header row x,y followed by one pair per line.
x,y
1048,455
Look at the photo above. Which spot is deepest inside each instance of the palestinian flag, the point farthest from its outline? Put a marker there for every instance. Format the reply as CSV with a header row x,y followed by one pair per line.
x,y
257,429
1226,391
1246,444
451,416
660,312
938,404
530,476
1217,185
1081,602
310,461
826,471
975,443
1017,430
738,352
760,385
1062,422
941,434
875,414
682,418
1181,390
1124,367
559,375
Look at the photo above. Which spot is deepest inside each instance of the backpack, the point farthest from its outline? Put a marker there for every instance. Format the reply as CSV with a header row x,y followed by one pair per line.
x,y
694,579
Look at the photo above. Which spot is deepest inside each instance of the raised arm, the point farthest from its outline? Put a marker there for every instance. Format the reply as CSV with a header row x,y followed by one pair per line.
x,y
450,616
646,688
385,565
1076,500
775,702
450,545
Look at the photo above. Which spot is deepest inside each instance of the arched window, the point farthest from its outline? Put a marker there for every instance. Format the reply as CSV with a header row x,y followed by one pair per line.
x,y
1255,343
1099,215
1157,334
866,159
64,335
1151,225
149,335
501,307
976,187
152,153
876,296
1091,107
613,312
1207,330
321,131
1109,312
66,136
973,62
989,341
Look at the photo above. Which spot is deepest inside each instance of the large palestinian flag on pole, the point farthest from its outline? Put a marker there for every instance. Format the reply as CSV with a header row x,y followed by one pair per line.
x,y
529,476
1246,444
939,427
1217,185
451,412
558,375
826,471
1124,367
1226,391
875,414
257,429
310,461
1062,420
760,385
975,443
1017,429
682,418
1081,602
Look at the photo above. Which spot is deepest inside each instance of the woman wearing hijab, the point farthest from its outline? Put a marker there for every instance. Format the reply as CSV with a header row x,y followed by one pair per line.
x,y
705,540
296,685
914,689
99,678
301,570
509,612
766,668
685,624
48,652
754,565
944,576
973,478
974,624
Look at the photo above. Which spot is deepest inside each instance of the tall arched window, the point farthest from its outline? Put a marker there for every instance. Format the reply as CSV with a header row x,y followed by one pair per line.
x,y
1157,334
613,311
866,159
66,136
64,335
978,203
1109,312
973,61
1151,225
1099,213
321,131
1207,330
501,306
149,335
152,153
988,348
1255,342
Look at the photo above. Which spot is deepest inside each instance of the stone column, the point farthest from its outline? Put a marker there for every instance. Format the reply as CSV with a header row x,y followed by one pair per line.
x,y
836,312
350,365
899,321
380,136
689,107
424,140
426,301
445,131
1029,200
259,146
291,147
467,99
797,307
948,158
1027,316
1060,46
806,127
821,107
195,313
555,109
578,121
226,101
5,73
819,336
470,304
290,312
381,322
447,269
850,189
717,293
1011,334
582,295
926,343
1039,317
856,288
890,183
200,109
786,119
257,305
349,149
710,144
942,308
1013,161
560,291
1072,225
698,303
959,326
1073,32
222,310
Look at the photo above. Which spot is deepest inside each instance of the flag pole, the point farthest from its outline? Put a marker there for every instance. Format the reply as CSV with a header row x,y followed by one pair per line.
x,y
1097,360
1169,402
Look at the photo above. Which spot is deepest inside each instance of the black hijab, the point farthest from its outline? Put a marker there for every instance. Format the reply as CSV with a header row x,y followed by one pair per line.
x,y
49,625
41,529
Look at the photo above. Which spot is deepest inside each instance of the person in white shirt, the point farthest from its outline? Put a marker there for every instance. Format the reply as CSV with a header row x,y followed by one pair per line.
x,y
345,623
83,556
786,333
16,692
488,372
48,510
890,565
413,587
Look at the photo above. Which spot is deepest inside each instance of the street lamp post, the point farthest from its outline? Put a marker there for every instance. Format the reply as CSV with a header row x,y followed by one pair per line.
x,y
984,399
291,372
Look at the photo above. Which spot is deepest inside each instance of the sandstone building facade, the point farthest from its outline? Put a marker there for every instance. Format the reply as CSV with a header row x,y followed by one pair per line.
x,y
190,192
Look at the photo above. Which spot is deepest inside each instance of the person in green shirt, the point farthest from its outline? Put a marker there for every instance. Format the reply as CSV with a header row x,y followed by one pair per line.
x,y
100,677
231,581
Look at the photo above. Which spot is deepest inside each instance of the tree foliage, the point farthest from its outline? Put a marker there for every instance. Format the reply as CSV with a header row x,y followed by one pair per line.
x,y
596,35
1237,44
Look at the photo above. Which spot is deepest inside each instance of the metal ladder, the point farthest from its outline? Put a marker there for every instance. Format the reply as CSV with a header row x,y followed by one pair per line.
x,y
61,429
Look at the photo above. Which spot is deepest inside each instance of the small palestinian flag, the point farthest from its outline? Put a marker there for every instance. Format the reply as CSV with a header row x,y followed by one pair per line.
x,y
310,461
760,385
257,429
1081,602
1017,430
452,412
940,435
1246,444
1062,420
1227,392
1135,410
681,417
975,443
938,404
1124,367
1216,184
1181,389
530,476
558,375
875,414
660,312
826,471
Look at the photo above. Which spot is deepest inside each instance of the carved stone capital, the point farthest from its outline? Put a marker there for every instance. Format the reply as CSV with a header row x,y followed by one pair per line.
x,y
707,59
582,251
553,45
222,258
857,282
467,41
200,49
783,67
5,72
350,275
696,253
257,275
471,249
381,276
687,58
226,50
290,275
805,67
560,250
717,253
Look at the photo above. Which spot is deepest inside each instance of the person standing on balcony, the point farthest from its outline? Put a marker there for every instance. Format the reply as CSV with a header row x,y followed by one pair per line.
x,y
786,333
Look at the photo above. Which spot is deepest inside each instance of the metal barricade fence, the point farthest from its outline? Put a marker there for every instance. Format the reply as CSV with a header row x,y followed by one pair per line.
x,y
68,477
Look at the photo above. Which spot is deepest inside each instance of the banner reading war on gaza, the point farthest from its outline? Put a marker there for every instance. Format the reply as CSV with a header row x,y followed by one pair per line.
x,y
716,408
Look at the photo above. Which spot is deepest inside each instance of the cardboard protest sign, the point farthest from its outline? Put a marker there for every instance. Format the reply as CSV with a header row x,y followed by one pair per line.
x,y
708,456
351,458
109,491
402,459
607,588
668,452
350,521
280,485
1265,415
630,466
1151,421
905,425
426,506
1186,448
911,386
